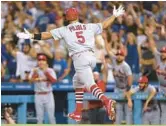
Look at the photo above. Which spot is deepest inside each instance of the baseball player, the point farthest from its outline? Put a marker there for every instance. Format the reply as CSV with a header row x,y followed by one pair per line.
x,y
151,114
43,77
80,42
123,78
160,58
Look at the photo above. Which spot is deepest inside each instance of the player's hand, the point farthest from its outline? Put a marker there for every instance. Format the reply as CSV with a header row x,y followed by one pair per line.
x,y
118,12
25,35
130,104
145,107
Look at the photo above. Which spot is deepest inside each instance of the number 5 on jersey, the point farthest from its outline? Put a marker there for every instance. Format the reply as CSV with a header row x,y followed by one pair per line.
x,y
80,37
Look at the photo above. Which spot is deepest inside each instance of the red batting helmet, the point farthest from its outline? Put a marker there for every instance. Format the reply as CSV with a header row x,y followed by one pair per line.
x,y
71,14
163,49
143,79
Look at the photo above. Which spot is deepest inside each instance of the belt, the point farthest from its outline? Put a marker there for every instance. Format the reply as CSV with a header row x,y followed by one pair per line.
x,y
82,52
42,93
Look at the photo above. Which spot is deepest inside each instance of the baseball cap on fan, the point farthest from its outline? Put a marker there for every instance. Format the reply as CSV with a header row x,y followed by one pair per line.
x,y
120,52
163,49
42,57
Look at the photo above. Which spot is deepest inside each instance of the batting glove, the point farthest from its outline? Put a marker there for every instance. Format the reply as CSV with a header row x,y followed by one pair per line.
x,y
25,35
119,11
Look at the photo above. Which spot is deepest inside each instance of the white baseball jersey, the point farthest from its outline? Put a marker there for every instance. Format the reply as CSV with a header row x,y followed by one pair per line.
x,y
162,66
148,90
78,37
121,73
43,86
24,63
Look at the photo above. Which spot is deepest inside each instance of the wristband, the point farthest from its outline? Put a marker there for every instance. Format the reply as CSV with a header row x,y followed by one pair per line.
x,y
37,36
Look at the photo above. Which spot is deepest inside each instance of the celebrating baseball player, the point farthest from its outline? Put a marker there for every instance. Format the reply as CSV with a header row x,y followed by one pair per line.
x,y
123,78
160,58
80,42
43,77
151,114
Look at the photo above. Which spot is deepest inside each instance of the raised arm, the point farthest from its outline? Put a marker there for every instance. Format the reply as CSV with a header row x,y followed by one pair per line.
x,y
11,49
151,41
45,35
108,48
116,12
41,36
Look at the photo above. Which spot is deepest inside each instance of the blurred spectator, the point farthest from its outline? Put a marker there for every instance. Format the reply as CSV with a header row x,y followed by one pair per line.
x,y
45,48
110,78
46,18
9,62
132,57
114,42
146,59
3,67
141,37
132,20
25,59
59,21
60,66
66,4
23,21
31,9
8,115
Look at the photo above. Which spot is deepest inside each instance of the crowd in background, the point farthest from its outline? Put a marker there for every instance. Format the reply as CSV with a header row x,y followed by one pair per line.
x,y
129,31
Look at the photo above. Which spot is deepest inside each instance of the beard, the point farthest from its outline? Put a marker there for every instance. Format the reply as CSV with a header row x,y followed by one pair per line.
x,y
163,59
141,88
119,61
26,52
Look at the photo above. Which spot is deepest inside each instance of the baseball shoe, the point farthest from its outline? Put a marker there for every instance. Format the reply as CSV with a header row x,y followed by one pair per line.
x,y
75,116
110,107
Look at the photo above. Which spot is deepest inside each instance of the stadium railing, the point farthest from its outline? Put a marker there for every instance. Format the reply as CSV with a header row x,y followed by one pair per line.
x,y
23,100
